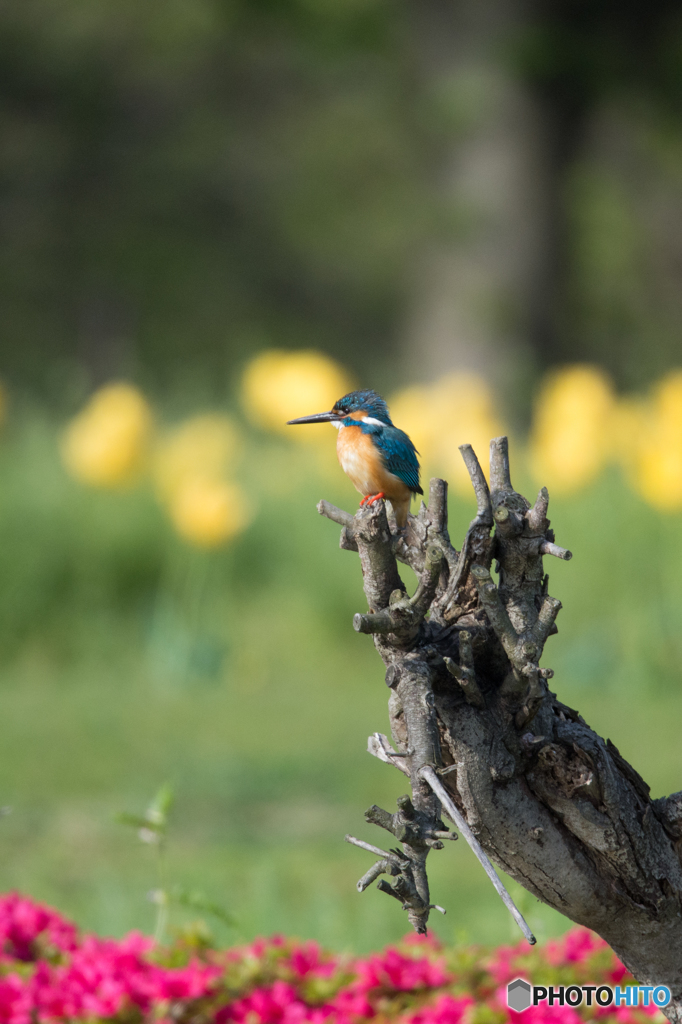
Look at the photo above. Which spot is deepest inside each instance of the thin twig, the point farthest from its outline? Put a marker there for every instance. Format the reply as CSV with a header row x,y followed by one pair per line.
x,y
392,857
429,775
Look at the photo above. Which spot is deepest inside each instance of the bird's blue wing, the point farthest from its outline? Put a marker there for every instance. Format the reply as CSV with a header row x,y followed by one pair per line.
x,y
399,455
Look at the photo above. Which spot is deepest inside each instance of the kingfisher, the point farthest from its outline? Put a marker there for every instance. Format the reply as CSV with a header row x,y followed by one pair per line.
x,y
380,460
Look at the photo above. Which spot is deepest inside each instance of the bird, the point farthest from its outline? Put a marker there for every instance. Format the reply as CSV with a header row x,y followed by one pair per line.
x,y
380,460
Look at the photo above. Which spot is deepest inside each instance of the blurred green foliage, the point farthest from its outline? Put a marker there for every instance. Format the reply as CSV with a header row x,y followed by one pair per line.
x,y
186,182
130,660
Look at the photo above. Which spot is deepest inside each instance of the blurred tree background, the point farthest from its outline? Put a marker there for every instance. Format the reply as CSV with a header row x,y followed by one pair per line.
x,y
217,214
417,186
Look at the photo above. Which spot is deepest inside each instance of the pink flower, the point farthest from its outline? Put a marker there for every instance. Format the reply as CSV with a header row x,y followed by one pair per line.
x,y
446,1010
306,959
543,1013
278,1004
428,941
501,965
24,923
15,1001
576,946
351,1004
617,973
54,974
392,970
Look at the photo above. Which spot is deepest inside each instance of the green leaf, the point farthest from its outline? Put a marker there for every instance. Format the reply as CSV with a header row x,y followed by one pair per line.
x,y
159,808
135,821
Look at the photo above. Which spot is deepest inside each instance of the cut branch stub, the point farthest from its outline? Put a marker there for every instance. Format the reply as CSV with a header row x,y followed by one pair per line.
x,y
549,548
465,673
523,650
477,545
404,615
408,825
479,483
438,505
381,867
537,515
497,615
500,476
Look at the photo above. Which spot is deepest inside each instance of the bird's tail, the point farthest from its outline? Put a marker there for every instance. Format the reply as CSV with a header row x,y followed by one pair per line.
x,y
401,506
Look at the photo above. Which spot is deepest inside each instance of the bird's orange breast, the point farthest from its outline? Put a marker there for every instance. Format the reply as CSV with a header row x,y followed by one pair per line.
x,y
364,465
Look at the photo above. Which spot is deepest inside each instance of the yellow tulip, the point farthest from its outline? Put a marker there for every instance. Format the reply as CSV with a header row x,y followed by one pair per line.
x,y
457,409
655,458
207,512
278,386
411,410
107,444
630,422
572,429
464,405
204,446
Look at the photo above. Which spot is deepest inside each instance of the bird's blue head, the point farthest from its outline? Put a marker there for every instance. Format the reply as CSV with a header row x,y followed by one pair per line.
x,y
367,402
354,405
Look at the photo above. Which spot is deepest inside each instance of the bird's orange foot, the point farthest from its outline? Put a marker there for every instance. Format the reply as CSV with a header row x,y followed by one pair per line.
x,y
371,498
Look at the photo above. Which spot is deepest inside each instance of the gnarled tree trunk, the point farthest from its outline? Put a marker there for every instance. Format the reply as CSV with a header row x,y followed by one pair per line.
x,y
549,801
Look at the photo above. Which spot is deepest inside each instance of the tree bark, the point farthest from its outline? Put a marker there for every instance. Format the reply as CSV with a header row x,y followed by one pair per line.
x,y
549,801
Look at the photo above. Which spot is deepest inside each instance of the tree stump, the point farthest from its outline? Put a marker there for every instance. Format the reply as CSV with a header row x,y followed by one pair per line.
x,y
548,800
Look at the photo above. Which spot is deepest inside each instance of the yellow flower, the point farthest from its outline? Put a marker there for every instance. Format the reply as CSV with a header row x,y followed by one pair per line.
x,y
201,447
107,444
208,512
278,386
630,422
411,410
464,404
457,409
572,428
655,459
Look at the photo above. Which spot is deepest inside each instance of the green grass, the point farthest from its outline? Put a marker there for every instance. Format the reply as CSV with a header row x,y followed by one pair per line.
x,y
128,660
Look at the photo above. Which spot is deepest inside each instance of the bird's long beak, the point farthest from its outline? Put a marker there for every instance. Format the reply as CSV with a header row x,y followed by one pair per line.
x,y
319,417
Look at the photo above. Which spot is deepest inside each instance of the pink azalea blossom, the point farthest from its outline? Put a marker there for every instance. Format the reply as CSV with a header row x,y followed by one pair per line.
x,y
278,1004
50,973
576,946
23,923
306,960
393,970
501,965
446,1010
